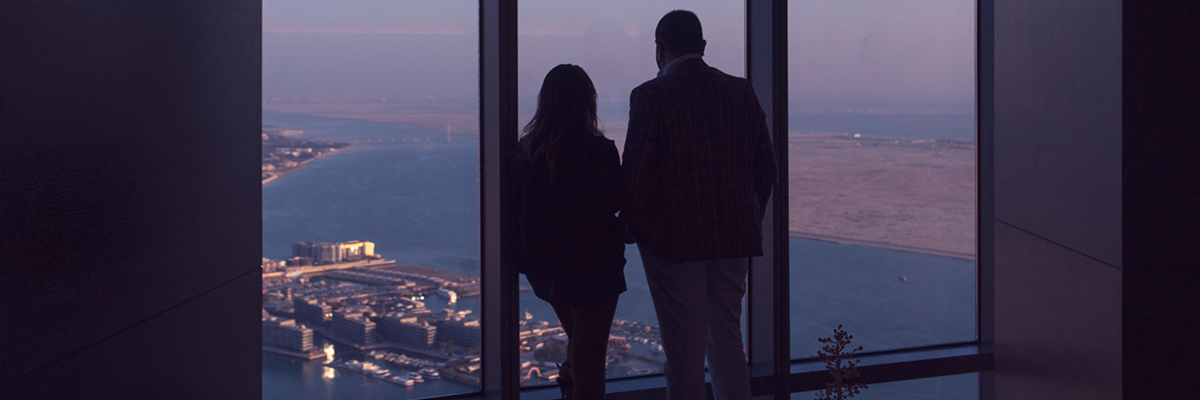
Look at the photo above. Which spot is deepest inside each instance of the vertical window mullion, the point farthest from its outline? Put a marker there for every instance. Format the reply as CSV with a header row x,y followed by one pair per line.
x,y
498,137
985,200
767,302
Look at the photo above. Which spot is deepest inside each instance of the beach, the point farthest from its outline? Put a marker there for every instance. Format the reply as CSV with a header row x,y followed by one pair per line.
x,y
905,194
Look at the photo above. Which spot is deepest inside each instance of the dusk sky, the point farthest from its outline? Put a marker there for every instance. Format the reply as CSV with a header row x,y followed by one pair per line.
x,y
838,49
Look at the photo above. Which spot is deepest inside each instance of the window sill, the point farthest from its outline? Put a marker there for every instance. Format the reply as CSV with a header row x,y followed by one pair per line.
x,y
806,375
897,365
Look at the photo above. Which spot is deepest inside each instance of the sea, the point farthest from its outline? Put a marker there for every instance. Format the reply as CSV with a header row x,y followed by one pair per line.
x,y
417,198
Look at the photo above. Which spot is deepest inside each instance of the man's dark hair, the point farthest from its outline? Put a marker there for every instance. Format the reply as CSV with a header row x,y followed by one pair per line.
x,y
679,32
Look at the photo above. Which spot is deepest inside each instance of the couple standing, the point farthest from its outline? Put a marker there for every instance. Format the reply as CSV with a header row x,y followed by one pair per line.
x,y
698,168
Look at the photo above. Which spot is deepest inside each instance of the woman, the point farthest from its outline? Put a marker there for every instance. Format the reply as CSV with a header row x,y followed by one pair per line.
x,y
571,246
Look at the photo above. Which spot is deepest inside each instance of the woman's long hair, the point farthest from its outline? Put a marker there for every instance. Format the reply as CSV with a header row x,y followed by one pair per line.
x,y
566,114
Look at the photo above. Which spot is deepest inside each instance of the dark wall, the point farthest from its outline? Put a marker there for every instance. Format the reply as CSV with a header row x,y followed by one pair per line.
x,y
129,199
1161,113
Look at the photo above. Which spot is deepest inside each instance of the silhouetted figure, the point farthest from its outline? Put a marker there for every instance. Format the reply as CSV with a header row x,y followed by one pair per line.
x,y
571,246
698,172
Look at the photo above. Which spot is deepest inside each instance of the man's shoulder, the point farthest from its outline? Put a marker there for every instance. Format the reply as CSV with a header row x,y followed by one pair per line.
x,y
727,80
703,76
649,88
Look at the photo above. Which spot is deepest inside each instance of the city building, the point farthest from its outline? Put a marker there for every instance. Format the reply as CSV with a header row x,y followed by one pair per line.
x,y
286,334
461,333
355,250
312,311
302,249
325,253
407,330
618,342
354,327
269,265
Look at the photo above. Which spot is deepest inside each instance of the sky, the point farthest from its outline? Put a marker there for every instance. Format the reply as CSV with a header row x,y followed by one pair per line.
x,y
893,50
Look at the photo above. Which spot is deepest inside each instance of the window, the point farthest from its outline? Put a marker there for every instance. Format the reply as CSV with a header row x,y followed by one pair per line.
x,y
370,199
881,147
372,153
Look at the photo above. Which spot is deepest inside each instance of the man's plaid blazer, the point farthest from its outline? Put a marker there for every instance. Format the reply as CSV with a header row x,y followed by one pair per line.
x,y
698,165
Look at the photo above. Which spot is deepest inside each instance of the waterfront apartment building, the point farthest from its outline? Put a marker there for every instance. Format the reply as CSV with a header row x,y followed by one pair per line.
x,y
326,252
312,311
302,249
461,333
269,265
286,334
354,328
407,330
355,250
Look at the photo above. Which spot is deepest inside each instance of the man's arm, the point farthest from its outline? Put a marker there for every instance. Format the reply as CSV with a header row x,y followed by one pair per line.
x,y
638,159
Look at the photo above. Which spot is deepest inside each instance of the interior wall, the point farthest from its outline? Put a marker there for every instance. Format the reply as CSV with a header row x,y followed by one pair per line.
x,y
1058,215
130,204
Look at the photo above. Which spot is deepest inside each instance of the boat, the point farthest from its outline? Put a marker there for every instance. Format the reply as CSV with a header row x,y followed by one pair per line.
x,y
430,373
657,349
401,381
415,376
370,369
447,293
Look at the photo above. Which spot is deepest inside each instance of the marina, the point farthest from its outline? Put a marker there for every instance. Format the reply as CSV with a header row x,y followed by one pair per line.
x,y
375,371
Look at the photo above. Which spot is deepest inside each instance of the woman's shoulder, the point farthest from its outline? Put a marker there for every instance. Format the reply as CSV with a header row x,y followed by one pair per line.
x,y
598,141
604,149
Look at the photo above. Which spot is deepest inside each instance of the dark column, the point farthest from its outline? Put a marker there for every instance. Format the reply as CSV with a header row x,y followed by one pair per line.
x,y
130,199
1161,202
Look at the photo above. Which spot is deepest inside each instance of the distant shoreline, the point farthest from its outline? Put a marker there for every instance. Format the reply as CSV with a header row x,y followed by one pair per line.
x,y
885,245
305,162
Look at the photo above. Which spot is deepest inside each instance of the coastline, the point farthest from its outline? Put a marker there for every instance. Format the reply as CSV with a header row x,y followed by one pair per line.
x,y
301,165
884,245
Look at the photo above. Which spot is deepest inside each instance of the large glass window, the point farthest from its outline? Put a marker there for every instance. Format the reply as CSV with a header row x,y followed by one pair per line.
x,y
370,199
371,210
614,42
881,147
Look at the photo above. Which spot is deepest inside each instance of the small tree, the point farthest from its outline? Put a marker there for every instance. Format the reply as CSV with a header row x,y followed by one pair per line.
x,y
833,354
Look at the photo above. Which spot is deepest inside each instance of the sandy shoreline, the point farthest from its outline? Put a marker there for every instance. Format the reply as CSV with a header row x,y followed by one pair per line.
x,y
391,113
278,173
885,245
910,195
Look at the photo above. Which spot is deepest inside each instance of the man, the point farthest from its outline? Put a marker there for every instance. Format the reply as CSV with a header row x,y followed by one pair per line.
x,y
698,168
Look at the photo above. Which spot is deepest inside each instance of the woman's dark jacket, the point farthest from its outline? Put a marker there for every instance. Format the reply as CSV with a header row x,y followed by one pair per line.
x,y
571,244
